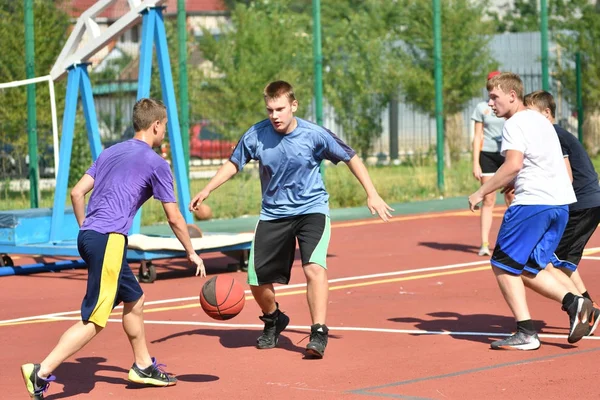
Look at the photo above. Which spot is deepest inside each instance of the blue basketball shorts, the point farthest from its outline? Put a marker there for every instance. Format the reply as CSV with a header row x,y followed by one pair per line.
x,y
528,237
110,279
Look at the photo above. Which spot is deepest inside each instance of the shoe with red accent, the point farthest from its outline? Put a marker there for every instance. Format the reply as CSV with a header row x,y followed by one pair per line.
x,y
594,319
581,312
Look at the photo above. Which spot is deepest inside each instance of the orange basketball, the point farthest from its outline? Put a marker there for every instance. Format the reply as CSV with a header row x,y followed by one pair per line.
x,y
222,297
203,212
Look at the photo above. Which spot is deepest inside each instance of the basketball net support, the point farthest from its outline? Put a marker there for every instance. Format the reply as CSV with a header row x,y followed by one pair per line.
x,y
75,65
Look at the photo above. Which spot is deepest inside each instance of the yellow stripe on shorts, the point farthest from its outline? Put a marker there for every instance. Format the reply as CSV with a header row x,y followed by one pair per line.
x,y
109,281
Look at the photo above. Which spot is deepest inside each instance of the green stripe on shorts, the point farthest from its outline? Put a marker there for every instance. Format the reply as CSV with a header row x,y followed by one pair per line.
x,y
319,255
252,279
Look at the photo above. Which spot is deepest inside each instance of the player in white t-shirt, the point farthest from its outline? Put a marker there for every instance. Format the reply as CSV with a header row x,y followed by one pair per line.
x,y
534,223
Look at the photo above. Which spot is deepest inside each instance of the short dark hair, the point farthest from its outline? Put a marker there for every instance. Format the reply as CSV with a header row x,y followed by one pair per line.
x,y
146,111
507,81
542,100
277,89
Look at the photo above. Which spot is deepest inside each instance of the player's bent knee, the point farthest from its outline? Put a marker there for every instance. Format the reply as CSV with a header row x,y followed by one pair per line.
x,y
135,306
314,271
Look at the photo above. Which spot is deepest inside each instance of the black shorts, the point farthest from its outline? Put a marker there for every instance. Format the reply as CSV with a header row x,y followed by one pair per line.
x,y
274,247
579,230
110,279
490,162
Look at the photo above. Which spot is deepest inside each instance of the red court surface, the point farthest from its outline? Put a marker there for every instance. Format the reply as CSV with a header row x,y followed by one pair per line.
x,y
412,311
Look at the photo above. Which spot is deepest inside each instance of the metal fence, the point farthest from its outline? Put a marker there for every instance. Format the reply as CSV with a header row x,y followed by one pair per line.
x,y
415,131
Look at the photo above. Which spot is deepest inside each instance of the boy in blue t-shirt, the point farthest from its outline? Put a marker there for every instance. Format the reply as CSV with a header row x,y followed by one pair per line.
x,y
123,177
295,205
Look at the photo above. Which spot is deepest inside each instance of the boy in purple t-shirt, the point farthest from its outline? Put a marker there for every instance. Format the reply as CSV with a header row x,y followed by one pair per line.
x,y
123,177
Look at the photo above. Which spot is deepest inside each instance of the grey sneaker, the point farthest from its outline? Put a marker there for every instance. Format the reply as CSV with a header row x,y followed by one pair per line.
x,y
594,319
36,386
518,341
581,313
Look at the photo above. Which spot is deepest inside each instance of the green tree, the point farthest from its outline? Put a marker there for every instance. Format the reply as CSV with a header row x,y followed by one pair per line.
x,y
524,15
362,70
267,41
264,42
466,60
580,33
51,25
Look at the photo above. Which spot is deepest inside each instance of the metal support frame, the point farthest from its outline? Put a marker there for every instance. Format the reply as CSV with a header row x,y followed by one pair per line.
x,y
153,33
78,82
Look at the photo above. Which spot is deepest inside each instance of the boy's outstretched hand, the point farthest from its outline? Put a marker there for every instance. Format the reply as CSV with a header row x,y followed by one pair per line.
x,y
197,261
377,205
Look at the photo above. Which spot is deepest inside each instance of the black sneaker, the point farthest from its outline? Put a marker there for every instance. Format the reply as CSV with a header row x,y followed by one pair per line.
x,y
580,311
274,324
152,375
318,341
518,341
36,386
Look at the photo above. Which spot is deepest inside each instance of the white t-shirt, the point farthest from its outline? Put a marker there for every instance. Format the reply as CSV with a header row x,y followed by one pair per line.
x,y
544,179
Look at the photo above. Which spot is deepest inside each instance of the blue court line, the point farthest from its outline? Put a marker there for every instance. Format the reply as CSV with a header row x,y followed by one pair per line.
x,y
369,391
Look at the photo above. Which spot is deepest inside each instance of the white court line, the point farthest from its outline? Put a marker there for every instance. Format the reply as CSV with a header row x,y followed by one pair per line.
x,y
338,328
590,258
277,288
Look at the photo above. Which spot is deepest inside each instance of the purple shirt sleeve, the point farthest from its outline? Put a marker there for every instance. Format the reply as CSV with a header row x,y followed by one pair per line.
x,y
92,170
162,184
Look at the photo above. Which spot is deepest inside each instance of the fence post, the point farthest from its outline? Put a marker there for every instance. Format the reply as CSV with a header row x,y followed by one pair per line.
x,y
318,67
394,128
34,174
544,36
439,105
579,96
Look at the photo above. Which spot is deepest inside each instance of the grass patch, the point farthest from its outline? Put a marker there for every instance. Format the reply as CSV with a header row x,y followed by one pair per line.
x,y
241,195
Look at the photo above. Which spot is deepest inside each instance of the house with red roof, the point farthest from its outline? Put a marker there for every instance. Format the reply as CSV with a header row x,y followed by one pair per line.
x,y
124,52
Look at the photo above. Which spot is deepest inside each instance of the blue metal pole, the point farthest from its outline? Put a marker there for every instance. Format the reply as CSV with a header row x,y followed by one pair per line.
x,y
166,80
145,67
144,75
89,111
66,144
41,267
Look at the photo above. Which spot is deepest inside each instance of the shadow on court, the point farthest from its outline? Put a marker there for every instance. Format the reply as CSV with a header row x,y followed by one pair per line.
x,y
238,338
80,377
465,248
485,323
181,268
